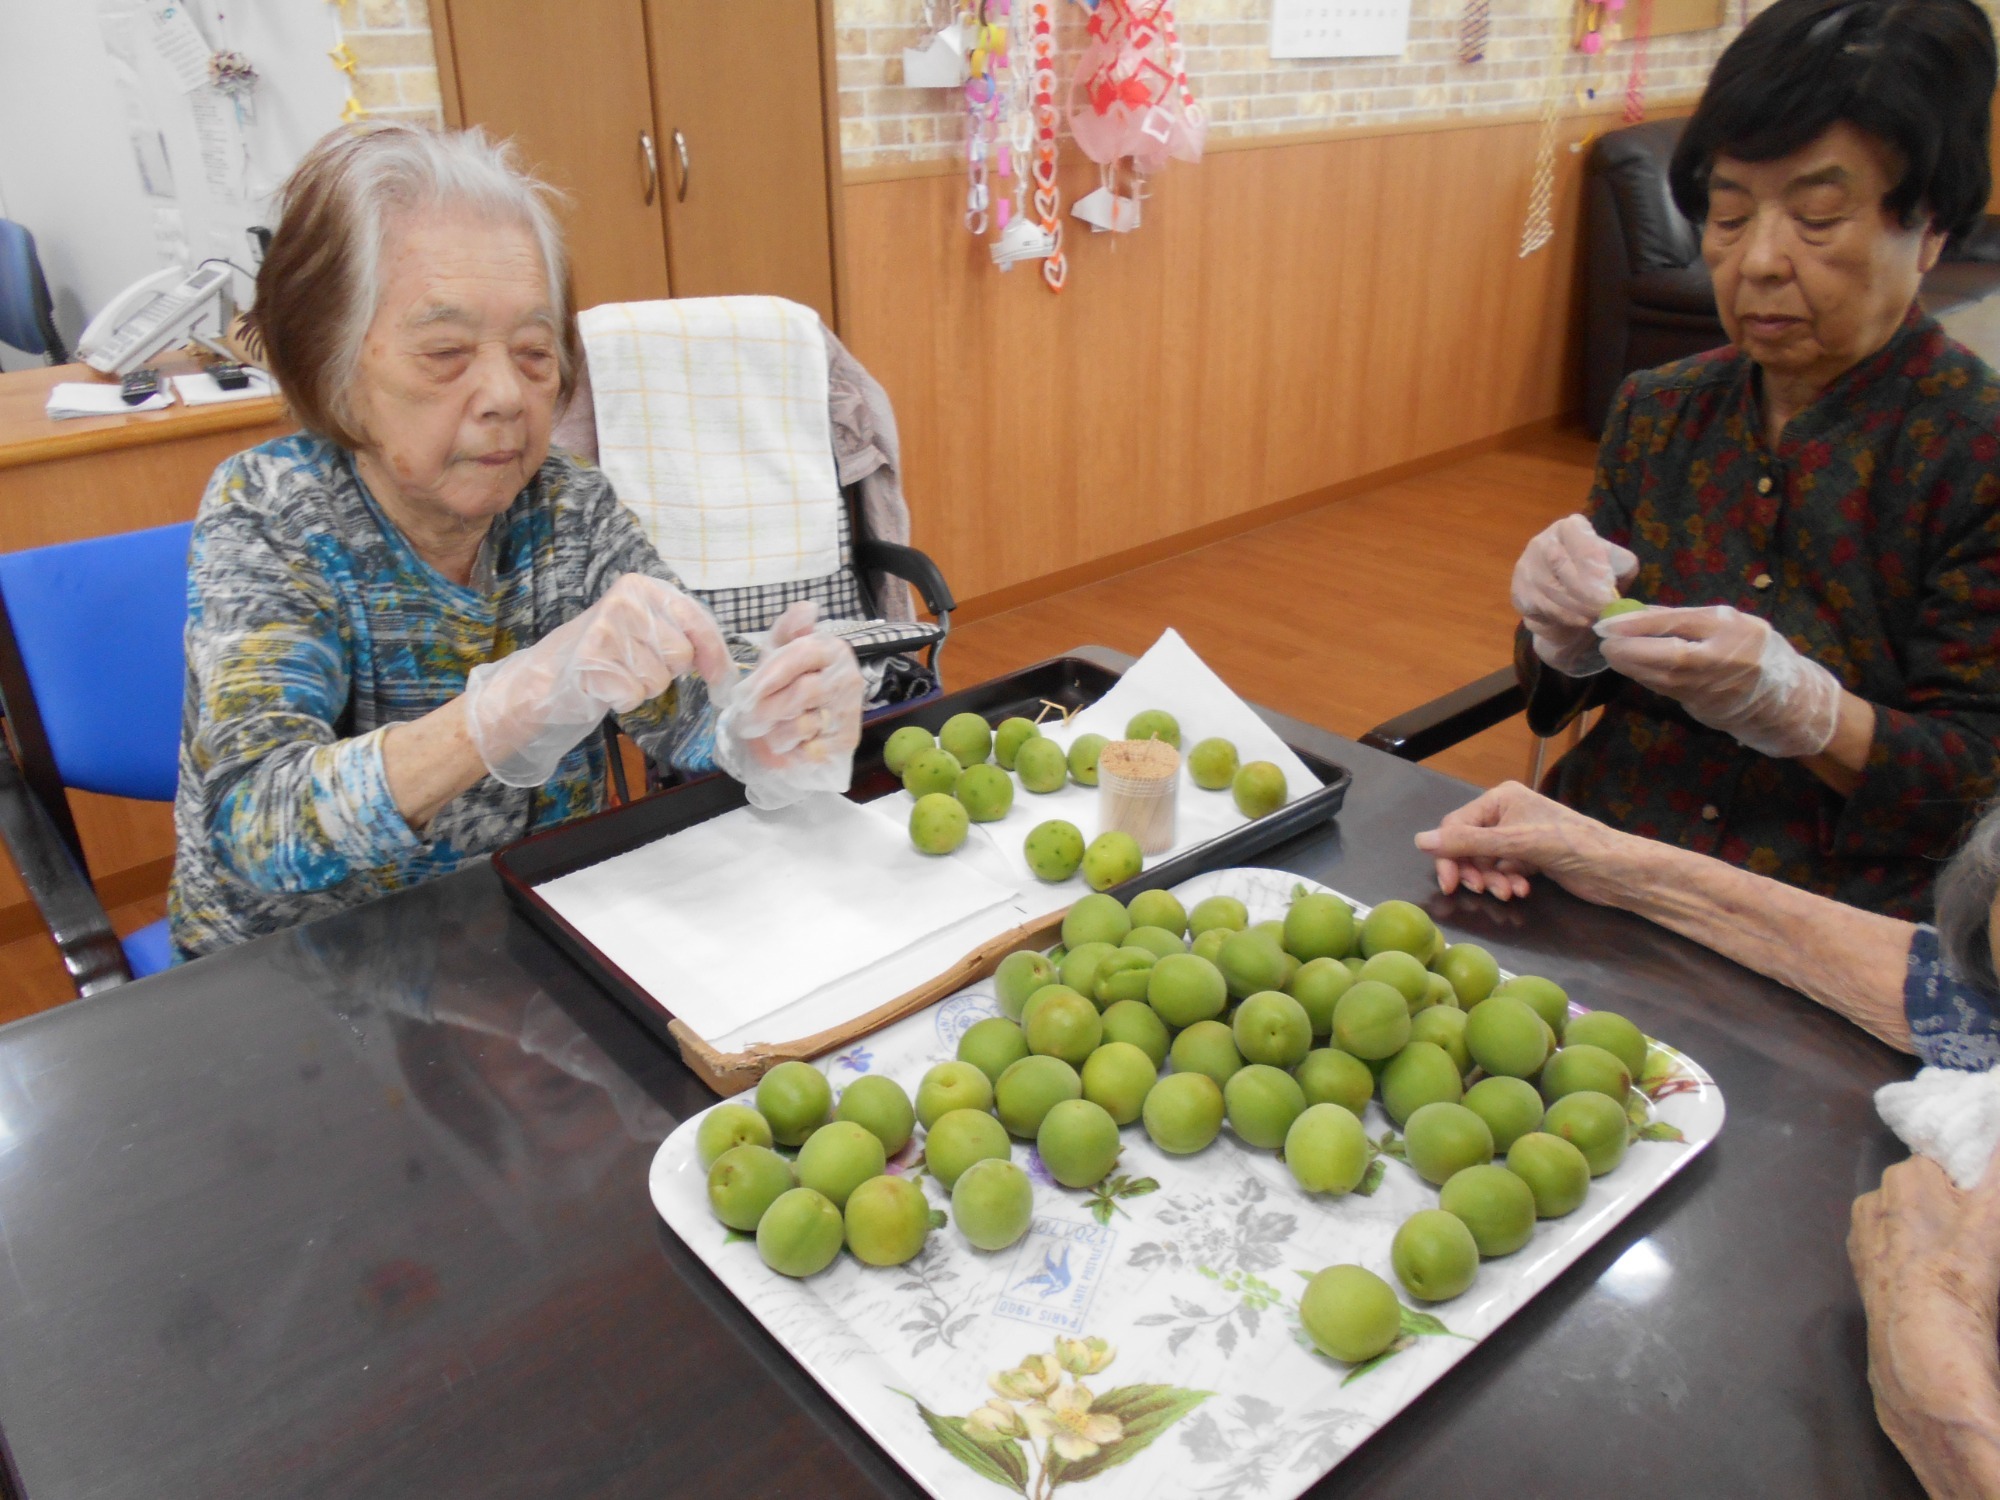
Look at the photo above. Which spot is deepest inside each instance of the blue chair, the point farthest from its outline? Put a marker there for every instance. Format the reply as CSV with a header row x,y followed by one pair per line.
x,y
27,316
92,676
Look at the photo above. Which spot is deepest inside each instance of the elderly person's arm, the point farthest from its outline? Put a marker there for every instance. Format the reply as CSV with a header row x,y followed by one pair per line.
x,y
1927,1258
1853,962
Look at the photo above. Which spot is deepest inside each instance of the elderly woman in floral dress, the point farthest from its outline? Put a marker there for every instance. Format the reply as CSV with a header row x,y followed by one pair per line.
x,y
407,624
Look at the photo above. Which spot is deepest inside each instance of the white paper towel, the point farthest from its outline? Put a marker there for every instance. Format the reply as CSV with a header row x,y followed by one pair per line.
x,y
733,919
1953,1117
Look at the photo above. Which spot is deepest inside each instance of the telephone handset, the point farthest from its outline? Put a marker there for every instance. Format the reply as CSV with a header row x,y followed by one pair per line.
x,y
162,311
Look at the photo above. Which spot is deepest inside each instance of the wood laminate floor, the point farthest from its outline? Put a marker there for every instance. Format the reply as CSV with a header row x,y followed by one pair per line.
x,y
1344,617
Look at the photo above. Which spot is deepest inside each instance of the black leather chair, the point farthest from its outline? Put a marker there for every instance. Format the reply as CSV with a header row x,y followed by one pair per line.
x,y
1647,297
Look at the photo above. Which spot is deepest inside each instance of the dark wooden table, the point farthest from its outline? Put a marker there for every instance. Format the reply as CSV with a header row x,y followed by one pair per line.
x,y
360,1210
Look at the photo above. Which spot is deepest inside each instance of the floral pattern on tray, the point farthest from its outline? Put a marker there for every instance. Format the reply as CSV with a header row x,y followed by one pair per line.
x,y
1143,1337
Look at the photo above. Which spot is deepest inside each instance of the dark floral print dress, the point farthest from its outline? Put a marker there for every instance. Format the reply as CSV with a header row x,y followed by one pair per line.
x,y
1871,538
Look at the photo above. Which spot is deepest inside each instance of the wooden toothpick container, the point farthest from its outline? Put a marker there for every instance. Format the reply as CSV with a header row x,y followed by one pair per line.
x,y
1138,782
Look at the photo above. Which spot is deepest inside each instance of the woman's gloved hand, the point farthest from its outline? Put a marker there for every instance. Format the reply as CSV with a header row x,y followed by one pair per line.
x,y
789,729
1565,577
527,711
1730,671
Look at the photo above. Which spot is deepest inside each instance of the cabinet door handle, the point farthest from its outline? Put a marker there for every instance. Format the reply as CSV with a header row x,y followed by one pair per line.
x,y
652,164
681,151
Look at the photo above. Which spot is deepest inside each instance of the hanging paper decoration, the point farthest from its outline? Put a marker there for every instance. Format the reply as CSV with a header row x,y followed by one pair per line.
x,y
1635,82
1130,96
1540,226
1048,194
939,61
1473,27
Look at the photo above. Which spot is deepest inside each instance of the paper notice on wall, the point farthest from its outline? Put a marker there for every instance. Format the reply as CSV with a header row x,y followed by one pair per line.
x,y
177,39
1339,28
215,133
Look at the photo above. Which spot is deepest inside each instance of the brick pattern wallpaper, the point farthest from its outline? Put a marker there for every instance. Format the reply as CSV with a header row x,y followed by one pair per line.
x,y
1243,89
396,77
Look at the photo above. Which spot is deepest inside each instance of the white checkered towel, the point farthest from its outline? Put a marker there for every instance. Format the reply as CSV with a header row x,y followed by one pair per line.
x,y
712,424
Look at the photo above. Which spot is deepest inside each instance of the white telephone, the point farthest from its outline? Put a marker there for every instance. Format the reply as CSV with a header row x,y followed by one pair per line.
x,y
162,311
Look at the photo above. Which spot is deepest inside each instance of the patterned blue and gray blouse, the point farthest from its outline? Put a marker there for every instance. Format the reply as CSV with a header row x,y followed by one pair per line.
x,y
313,626
1952,1024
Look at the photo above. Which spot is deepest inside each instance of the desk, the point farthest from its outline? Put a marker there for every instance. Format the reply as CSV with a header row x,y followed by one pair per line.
x,y
320,1216
94,476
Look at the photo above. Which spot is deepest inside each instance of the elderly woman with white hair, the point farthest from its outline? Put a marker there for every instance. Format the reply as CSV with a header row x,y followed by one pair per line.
x,y
407,622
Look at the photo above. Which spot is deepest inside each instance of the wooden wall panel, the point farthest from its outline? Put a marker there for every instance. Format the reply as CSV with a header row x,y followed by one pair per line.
x,y
1290,318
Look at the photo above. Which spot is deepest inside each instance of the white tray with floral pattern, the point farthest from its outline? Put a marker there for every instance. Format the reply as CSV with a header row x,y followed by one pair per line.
x,y
1143,1337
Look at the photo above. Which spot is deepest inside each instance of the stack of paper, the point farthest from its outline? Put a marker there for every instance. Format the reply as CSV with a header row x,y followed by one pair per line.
x,y
89,398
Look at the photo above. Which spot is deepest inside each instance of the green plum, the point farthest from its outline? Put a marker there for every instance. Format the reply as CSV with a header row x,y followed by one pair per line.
x,y
1030,1089
1154,724
887,1221
1554,1170
904,746
1083,753
1183,1113
838,1158
879,1105
1118,1076
1261,1102
1207,1047
1111,859
1259,789
1161,909
1350,1314
992,1203
938,823
800,1233
1441,1139
1422,1073
932,771
1330,1076
1010,737
992,1046
1078,1142
729,1125
1326,1149
986,792
1020,974
961,1137
1213,764
1495,1204
1186,988
745,1181
1435,1255
1042,766
1218,911
794,1097
1137,1024
968,737
951,1085
1510,1107
1053,850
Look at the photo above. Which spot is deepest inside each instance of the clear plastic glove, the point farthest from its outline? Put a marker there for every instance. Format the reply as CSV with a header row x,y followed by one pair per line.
x,y
527,711
1730,671
789,729
1565,577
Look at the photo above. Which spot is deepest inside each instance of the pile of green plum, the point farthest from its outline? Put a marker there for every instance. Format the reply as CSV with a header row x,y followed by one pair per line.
x,y
1181,1022
960,776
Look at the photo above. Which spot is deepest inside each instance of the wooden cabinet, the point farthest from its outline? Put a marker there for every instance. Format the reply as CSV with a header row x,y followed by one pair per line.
x,y
696,140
